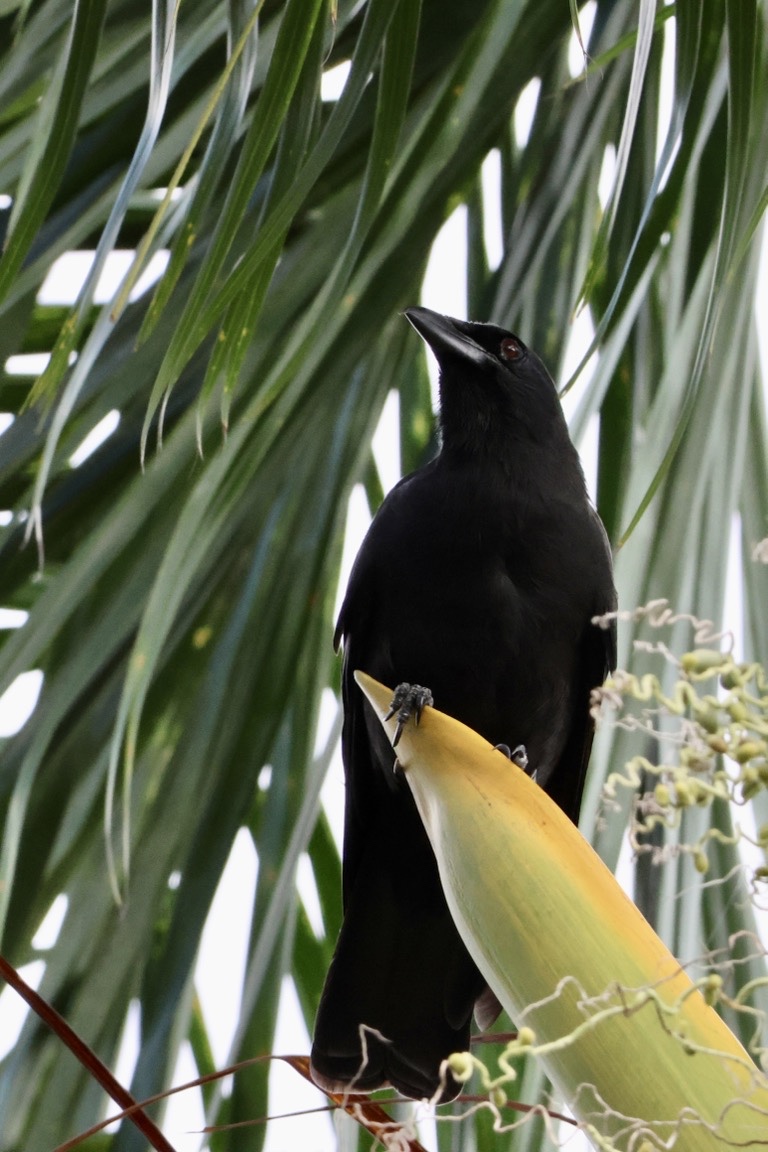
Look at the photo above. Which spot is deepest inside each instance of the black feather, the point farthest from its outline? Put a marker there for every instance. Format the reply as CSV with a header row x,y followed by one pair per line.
x,y
478,578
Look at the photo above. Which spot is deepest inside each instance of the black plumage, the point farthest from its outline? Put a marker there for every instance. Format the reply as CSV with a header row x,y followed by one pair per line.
x,y
478,578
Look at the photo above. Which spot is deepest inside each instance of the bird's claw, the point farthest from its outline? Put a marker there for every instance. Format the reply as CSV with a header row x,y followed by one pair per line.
x,y
408,700
517,755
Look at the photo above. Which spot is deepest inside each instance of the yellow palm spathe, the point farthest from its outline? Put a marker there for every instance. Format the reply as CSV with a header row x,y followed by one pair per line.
x,y
626,1036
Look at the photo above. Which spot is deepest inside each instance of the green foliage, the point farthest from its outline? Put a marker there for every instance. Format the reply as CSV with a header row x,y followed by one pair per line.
x,y
183,613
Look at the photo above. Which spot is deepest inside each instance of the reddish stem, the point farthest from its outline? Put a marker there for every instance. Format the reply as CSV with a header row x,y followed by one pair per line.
x,y
85,1055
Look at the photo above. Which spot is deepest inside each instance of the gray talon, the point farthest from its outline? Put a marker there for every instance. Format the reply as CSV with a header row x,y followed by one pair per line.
x,y
408,700
519,756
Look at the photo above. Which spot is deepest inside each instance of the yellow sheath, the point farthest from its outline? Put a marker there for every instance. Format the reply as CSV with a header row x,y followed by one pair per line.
x,y
536,906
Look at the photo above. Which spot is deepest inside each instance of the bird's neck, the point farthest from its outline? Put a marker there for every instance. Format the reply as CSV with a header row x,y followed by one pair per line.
x,y
532,471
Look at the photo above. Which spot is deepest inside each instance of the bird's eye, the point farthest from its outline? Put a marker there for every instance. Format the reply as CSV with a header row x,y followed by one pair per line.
x,y
510,349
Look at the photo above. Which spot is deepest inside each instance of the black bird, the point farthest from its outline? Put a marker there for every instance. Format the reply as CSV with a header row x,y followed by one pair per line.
x,y
478,578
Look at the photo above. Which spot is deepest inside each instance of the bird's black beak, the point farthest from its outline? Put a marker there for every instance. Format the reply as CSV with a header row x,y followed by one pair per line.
x,y
449,339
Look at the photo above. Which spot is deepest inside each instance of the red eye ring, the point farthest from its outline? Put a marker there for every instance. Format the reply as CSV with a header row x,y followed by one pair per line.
x,y
510,349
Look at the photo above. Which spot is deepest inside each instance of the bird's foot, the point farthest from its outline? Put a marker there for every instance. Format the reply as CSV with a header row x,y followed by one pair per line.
x,y
518,755
408,700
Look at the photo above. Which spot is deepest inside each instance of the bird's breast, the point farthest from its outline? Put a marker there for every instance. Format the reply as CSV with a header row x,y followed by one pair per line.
x,y
474,599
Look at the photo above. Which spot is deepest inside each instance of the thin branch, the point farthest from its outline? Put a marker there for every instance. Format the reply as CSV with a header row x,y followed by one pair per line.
x,y
86,1056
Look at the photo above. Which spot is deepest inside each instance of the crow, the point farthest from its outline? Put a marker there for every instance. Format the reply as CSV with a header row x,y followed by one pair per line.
x,y
478,578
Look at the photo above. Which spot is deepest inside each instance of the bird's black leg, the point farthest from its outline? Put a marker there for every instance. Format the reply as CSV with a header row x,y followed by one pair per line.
x,y
518,755
408,700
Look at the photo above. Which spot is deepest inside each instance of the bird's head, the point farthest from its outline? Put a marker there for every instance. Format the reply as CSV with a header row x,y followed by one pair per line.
x,y
495,393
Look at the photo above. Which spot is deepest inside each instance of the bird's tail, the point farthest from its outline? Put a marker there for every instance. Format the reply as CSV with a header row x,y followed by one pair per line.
x,y
399,994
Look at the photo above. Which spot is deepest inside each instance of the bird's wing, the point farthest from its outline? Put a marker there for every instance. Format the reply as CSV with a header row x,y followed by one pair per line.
x,y
360,595
399,966
596,658
363,778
